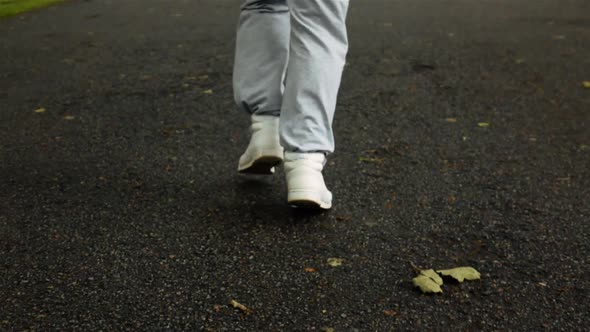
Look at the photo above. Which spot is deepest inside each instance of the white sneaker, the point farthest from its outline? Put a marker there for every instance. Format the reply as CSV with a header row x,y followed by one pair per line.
x,y
305,183
264,151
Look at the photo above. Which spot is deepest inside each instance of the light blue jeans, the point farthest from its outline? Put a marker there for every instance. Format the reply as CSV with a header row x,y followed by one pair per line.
x,y
289,60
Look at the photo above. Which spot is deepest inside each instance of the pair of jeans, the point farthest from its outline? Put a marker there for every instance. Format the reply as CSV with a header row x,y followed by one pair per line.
x,y
289,60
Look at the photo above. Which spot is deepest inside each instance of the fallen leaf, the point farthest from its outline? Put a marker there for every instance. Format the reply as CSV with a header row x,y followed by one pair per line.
x,y
208,92
483,124
451,120
69,117
40,110
428,281
586,84
310,269
390,312
335,262
242,307
432,275
426,284
461,273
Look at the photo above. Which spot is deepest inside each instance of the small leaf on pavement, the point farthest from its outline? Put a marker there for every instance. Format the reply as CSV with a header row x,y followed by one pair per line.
x,y
483,124
426,284
432,275
390,312
461,273
40,110
335,262
242,307
586,84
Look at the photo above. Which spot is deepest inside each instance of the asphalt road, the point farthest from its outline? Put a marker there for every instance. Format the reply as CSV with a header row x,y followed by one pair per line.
x,y
463,138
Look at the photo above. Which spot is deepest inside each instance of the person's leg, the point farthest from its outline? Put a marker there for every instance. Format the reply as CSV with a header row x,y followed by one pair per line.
x,y
317,55
262,52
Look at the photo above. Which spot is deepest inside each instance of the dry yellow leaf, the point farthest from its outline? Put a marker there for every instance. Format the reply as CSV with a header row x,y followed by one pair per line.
x,y
335,262
461,273
451,120
432,275
428,281
242,307
426,284
208,92
483,124
69,117
586,84
40,110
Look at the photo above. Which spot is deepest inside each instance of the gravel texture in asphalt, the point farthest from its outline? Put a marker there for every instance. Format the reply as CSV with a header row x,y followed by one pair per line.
x,y
463,138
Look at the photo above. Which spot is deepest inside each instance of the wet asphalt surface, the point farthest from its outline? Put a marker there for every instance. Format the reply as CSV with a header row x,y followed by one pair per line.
x,y
463,138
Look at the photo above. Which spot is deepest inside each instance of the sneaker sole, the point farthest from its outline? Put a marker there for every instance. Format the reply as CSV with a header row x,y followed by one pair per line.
x,y
307,201
262,166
